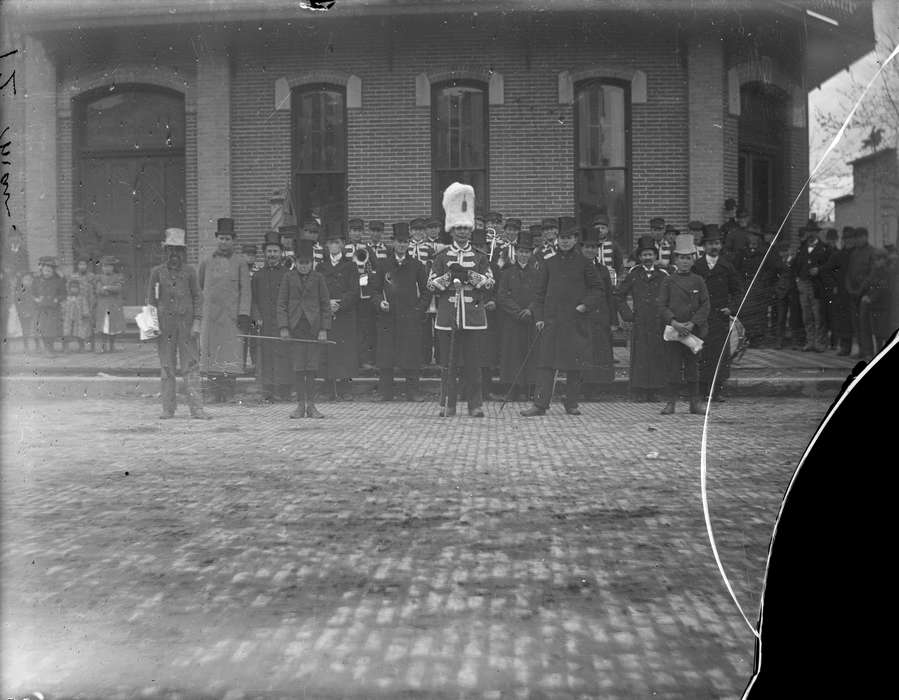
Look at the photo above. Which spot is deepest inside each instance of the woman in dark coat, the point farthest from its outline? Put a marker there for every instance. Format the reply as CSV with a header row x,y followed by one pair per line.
x,y
517,291
399,290
341,361
836,296
642,284
48,291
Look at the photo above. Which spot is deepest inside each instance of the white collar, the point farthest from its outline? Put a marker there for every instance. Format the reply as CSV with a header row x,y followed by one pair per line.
x,y
465,249
335,258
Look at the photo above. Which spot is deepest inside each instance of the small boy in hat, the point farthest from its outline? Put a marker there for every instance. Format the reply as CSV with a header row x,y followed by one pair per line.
x,y
341,361
432,234
174,289
647,349
569,289
517,291
274,360
304,312
109,316
683,303
225,282
76,316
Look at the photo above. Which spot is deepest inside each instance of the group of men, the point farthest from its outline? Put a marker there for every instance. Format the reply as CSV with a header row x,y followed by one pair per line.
x,y
479,296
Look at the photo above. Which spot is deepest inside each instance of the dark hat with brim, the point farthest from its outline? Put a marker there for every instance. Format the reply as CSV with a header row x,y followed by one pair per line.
x,y
376,225
600,219
418,223
710,232
433,222
567,222
401,231
274,238
356,223
645,243
526,239
657,222
569,228
549,222
590,236
493,217
225,227
305,249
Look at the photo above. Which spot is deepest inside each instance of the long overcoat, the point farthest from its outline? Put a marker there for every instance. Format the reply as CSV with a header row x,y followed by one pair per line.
x,y
404,285
109,314
225,283
274,361
836,297
341,361
48,294
724,290
647,370
601,369
754,315
567,279
517,291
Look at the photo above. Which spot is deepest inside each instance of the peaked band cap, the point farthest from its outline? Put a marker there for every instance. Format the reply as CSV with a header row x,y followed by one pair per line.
x,y
175,237
356,223
375,225
550,223
458,205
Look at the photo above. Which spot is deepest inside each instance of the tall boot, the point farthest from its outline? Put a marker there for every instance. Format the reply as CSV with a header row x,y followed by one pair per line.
x,y
311,410
672,400
695,406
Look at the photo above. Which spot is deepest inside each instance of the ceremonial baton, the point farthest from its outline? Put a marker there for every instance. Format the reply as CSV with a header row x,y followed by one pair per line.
x,y
521,369
295,340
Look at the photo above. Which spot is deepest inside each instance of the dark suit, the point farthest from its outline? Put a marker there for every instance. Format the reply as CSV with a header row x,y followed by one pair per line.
x,y
724,291
304,309
811,291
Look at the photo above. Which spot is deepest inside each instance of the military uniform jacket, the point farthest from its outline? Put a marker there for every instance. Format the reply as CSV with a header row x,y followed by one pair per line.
x,y
685,298
471,313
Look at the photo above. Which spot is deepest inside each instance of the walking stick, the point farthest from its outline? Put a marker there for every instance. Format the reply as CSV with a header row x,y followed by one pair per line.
x,y
520,370
452,347
553,390
290,340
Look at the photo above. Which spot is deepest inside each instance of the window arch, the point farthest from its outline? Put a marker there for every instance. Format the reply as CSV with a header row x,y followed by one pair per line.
x,y
320,153
459,138
602,154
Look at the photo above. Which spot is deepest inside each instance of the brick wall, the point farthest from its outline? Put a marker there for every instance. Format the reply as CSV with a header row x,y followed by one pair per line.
x,y
706,128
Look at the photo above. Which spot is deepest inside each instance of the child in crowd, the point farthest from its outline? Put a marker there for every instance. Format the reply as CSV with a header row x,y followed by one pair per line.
x,y
76,316
109,316
27,310
48,292
87,278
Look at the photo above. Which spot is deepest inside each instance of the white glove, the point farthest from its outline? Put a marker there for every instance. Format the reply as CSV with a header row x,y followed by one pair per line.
x,y
385,306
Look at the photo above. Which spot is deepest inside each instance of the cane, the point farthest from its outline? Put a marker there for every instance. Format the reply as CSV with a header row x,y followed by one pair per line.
x,y
520,369
452,347
553,390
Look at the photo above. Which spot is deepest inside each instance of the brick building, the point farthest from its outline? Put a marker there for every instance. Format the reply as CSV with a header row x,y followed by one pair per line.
x,y
874,202
146,115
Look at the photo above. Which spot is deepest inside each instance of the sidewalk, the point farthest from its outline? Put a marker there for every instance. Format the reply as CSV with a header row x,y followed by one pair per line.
x,y
135,366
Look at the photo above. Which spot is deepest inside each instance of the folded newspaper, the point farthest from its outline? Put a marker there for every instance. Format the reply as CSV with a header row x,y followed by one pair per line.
x,y
690,340
147,323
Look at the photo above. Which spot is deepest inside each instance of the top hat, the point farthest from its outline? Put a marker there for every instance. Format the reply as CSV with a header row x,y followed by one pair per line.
x,y
401,231
645,243
272,238
513,223
175,237
590,236
536,231
657,222
458,204
730,203
225,227
526,239
600,219
305,249
684,245
565,222
356,223
711,232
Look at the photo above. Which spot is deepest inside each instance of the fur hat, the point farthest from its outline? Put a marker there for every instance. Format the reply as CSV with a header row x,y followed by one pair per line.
x,y
458,204
684,245
175,237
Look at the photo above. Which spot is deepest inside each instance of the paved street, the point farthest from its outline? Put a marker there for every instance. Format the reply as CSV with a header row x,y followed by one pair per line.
x,y
384,552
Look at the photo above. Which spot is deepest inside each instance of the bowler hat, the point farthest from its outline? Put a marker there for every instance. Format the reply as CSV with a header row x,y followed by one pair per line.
x,y
645,243
684,245
174,237
225,227
711,232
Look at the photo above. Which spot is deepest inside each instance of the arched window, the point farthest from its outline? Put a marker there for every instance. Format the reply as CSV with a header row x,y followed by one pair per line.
x,y
602,145
319,154
459,139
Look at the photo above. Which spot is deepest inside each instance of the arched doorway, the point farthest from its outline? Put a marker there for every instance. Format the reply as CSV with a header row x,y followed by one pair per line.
x,y
130,174
763,148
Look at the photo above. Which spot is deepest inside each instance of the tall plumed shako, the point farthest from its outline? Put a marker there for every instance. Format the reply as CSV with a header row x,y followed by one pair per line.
x,y
458,203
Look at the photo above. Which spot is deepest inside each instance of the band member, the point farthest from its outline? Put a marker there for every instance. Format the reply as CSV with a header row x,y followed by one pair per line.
x,y
341,361
460,276
569,289
288,236
549,231
609,253
432,235
312,231
684,305
723,287
274,361
600,369
517,291
304,313
647,351
422,250
363,257
400,289
376,241
419,248
490,335
225,284
174,289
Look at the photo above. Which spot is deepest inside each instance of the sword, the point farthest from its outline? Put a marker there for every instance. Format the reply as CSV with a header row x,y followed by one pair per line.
x,y
295,340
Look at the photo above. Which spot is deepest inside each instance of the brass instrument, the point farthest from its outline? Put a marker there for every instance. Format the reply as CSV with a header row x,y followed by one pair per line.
x,y
362,258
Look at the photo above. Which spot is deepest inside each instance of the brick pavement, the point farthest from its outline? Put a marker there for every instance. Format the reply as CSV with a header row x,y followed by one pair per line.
x,y
384,552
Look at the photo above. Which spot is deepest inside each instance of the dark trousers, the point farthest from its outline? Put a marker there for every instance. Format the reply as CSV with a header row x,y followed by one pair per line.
x,y
797,327
466,362
682,368
427,340
366,332
176,343
707,361
544,390
305,385
865,331
781,306
386,382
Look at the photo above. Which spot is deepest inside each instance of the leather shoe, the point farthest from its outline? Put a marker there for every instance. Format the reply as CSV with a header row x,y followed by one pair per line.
x,y
573,411
415,398
476,413
696,407
447,412
312,412
533,411
300,412
669,409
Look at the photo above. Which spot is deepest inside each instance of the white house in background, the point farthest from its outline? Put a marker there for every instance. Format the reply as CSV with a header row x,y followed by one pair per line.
x,y
874,201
